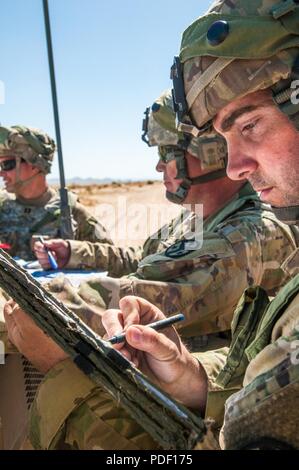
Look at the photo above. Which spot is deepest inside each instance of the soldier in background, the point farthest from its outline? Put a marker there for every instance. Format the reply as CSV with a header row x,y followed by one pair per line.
x,y
28,205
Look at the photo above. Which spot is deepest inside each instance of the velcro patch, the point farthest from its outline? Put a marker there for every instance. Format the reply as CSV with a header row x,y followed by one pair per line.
x,y
182,248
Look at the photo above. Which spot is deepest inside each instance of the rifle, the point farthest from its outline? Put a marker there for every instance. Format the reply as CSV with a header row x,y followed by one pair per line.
x,y
169,423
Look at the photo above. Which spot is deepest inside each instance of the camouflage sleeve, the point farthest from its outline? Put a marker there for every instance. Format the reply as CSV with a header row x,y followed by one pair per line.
x,y
84,417
107,257
120,261
269,402
89,228
213,362
206,283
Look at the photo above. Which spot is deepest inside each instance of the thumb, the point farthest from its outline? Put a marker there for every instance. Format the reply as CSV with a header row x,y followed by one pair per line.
x,y
158,345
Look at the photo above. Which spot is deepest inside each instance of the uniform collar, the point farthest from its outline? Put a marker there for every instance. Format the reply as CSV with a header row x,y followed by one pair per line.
x,y
39,201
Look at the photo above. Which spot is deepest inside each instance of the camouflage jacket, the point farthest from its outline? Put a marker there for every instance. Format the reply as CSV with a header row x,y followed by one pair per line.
x,y
118,261
20,219
263,359
243,245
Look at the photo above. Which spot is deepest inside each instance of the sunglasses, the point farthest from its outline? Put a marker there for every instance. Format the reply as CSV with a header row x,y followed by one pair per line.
x,y
9,165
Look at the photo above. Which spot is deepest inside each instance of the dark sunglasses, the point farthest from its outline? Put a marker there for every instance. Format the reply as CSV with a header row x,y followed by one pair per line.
x,y
9,165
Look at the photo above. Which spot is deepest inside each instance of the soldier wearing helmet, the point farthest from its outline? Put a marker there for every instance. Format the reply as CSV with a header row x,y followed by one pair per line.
x,y
238,72
28,205
173,146
204,284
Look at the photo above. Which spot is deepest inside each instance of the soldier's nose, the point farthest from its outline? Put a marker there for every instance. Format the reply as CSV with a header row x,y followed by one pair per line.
x,y
160,167
241,163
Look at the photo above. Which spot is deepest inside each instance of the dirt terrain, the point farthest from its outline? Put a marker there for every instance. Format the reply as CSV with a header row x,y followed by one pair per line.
x,y
130,211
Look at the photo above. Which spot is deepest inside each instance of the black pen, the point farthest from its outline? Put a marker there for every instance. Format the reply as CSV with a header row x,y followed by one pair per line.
x,y
157,325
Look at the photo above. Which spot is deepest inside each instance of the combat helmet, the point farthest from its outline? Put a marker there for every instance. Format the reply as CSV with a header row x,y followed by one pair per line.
x,y
237,48
29,144
159,129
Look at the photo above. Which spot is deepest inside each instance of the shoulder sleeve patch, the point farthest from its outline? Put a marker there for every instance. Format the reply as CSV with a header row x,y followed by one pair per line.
x,y
182,248
233,234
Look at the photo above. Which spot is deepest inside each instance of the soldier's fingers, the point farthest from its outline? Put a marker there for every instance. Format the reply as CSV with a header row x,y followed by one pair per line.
x,y
38,247
41,255
12,328
137,310
113,322
158,345
23,321
57,244
125,350
8,307
44,262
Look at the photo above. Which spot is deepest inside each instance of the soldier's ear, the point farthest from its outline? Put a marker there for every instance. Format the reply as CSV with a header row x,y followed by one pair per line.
x,y
32,167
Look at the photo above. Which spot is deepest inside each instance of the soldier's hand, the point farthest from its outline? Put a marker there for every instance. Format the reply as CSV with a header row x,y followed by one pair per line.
x,y
30,340
162,356
60,249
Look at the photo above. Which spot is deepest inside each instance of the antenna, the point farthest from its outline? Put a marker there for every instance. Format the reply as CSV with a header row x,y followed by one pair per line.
x,y
66,221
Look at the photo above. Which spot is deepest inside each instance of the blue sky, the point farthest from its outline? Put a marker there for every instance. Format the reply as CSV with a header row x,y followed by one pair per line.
x,y
112,60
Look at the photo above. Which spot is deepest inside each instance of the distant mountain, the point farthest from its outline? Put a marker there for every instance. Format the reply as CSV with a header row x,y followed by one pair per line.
x,y
81,181
86,181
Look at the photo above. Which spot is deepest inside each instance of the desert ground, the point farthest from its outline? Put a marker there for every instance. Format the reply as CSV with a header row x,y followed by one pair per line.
x,y
130,211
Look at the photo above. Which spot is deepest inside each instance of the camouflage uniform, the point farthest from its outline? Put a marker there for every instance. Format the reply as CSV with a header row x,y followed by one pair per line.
x,y
119,261
21,218
243,244
263,357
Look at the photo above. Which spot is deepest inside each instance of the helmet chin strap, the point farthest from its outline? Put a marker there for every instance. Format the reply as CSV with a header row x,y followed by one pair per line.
x,y
19,184
182,173
182,192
